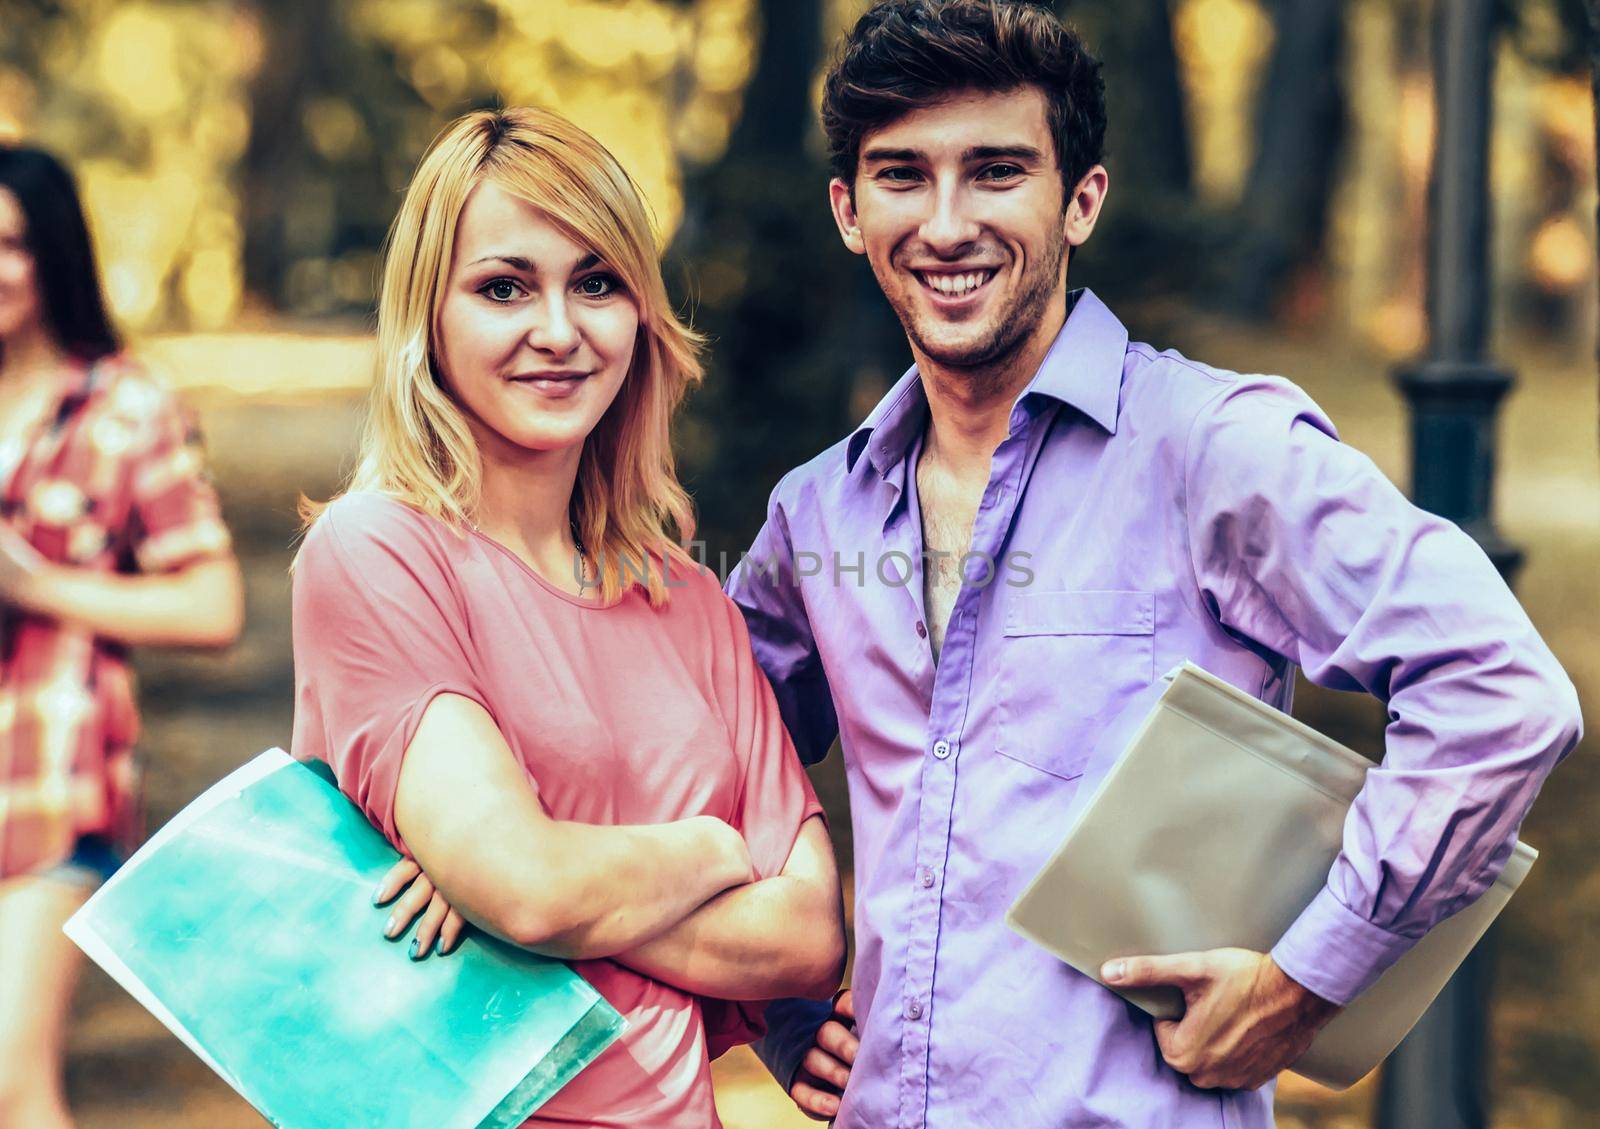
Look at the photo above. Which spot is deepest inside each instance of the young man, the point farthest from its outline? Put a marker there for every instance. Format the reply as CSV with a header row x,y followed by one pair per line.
x,y
1038,520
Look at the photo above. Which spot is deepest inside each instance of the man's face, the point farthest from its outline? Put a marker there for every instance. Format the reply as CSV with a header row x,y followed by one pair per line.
x,y
959,207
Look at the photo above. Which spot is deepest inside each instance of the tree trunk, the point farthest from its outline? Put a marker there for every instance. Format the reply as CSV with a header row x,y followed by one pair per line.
x,y
1149,132
1593,8
276,164
780,298
1149,236
1284,211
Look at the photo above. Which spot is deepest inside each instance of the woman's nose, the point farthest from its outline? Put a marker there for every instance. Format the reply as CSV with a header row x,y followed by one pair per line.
x,y
553,331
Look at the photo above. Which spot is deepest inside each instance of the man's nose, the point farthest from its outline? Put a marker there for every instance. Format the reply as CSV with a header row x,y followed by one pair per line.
x,y
951,226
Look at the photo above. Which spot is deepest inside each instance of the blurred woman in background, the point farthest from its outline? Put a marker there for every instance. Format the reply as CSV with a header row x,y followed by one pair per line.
x,y
110,537
511,662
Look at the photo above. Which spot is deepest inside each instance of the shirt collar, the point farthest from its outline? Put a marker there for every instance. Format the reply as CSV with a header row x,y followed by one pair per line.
x,y
1083,369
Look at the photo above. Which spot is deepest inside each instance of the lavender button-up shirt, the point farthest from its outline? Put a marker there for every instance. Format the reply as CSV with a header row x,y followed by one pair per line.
x,y
1144,509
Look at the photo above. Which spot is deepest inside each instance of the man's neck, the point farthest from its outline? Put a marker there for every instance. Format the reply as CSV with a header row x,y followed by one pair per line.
x,y
969,409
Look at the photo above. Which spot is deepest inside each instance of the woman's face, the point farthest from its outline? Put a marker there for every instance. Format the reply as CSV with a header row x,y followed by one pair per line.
x,y
535,333
19,290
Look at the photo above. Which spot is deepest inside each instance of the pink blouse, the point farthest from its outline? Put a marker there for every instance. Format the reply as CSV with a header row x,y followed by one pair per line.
x,y
622,714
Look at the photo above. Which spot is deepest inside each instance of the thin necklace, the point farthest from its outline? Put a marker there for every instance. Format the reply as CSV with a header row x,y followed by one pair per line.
x,y
572,524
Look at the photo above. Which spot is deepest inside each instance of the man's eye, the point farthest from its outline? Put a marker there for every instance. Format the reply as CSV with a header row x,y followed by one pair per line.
x,y
500,290
599,286
1001,172
899,175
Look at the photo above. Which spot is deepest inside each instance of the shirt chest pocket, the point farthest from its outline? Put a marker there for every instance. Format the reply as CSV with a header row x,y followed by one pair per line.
x,y
1068,663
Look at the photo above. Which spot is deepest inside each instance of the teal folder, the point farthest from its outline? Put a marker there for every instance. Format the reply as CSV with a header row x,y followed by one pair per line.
x,y
246,925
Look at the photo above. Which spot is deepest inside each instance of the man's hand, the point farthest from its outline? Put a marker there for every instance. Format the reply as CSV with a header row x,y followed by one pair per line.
x,y
1243,1020
825,1070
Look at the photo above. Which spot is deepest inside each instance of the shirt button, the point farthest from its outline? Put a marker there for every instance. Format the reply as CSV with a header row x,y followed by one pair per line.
x,y
924,877
941,749
913,1009
922,630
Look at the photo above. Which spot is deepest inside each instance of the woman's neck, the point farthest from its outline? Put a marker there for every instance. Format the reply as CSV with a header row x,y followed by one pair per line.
x,y
28,356
525,503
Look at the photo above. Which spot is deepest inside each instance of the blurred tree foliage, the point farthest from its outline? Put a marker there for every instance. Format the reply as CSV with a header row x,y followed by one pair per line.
x,y
319,109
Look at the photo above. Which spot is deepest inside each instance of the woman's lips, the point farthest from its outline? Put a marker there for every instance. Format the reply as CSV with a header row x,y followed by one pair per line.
x,y
554,387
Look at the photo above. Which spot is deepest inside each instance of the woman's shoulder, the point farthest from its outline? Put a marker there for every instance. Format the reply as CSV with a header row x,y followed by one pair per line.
x,y
365,523
128,392
129,388
694,590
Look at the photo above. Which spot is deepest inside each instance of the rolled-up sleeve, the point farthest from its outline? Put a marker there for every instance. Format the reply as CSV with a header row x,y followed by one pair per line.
x,y
1300,544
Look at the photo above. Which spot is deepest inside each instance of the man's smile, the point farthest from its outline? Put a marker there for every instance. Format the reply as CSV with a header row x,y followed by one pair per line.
x,y
950,288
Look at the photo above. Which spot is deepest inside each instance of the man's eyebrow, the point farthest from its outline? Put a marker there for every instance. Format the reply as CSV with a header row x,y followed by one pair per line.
x,y
991,152
892,155
976,153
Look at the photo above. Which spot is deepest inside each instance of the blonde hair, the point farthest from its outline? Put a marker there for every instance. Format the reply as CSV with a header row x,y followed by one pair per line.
x,y
627,506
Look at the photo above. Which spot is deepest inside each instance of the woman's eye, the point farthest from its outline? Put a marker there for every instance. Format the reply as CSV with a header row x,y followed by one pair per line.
x,y
500,290
598,286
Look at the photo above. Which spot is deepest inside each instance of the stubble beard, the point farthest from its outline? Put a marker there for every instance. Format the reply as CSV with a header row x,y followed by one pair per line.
x,y
987,361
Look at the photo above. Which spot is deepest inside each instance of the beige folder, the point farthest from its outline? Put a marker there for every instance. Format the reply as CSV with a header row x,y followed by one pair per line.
x,y
1216,828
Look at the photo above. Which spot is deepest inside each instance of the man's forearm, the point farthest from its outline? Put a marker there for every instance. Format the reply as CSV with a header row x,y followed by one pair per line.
x,y
773,938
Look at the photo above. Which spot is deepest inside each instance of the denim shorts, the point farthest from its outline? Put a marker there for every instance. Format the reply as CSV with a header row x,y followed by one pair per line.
x,y
92,861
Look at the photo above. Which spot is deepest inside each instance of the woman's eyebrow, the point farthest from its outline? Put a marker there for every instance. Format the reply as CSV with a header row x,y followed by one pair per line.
x,y
517,262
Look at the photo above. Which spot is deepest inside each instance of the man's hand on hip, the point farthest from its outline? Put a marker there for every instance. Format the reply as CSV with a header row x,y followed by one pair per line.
x,y
825,1070
1244,1020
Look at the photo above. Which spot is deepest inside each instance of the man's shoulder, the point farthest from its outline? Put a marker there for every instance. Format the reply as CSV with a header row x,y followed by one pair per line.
x,y
825,477
1165,391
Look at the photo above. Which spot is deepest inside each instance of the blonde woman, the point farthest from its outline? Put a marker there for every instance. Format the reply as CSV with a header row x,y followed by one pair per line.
x,y
510,662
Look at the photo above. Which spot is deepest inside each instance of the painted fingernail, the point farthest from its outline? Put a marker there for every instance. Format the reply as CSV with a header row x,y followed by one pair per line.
x,y
414,941
389,929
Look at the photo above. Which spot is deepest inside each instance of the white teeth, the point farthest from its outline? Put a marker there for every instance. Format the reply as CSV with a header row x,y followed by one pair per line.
x,y
957,285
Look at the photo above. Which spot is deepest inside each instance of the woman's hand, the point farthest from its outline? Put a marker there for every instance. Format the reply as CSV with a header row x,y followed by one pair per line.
x,y
21,567
439,922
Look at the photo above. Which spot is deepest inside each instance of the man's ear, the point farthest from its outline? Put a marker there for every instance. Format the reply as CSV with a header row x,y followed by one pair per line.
x,y
1083,206
844,214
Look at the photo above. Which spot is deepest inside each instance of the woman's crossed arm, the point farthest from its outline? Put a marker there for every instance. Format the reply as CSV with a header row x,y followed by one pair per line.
x,y
469,813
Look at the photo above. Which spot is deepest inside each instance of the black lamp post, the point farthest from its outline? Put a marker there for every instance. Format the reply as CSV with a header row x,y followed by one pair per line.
x,y
1437,1078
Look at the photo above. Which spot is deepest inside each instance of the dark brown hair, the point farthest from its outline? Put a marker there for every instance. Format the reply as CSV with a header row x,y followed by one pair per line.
x,y
905,54
63,256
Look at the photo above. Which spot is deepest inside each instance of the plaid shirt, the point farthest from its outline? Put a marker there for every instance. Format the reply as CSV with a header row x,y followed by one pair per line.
x,y
112,481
